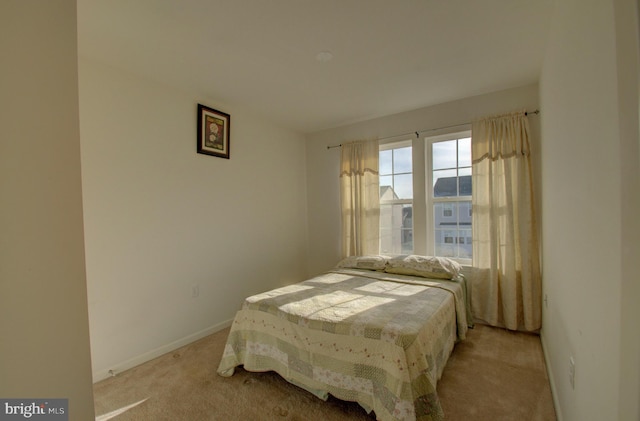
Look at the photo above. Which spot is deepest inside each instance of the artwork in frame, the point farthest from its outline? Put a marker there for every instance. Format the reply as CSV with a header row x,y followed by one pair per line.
x,y
213,132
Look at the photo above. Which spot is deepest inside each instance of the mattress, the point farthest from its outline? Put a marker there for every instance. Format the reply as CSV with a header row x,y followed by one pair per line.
x,y
371,337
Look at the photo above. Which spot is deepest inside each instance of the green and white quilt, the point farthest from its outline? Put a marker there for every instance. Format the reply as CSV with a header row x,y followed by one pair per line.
x,y
375,338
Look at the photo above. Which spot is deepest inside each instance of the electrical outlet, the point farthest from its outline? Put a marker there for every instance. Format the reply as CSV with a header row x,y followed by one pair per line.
x,y
195,291
572,372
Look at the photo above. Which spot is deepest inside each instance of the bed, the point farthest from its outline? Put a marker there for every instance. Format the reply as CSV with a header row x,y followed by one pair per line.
x,y
375,330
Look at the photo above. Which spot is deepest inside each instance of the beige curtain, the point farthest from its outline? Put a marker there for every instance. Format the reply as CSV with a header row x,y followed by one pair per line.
x,y
360,198
507,284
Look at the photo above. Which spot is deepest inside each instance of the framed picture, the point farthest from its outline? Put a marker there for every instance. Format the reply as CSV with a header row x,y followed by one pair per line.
x,y
213,132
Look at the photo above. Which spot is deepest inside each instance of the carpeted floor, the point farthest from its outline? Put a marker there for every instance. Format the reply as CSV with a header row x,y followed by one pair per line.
x,y
493,375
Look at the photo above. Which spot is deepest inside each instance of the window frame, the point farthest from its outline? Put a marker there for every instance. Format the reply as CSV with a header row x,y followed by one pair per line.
x,y
430,201
399,143
423,225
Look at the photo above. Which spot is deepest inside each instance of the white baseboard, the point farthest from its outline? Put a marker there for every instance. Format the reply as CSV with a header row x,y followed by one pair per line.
x,y
148,356
552,383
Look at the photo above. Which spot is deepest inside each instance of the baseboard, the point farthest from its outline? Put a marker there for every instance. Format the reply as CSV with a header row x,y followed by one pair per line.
x,y
148,356
552,383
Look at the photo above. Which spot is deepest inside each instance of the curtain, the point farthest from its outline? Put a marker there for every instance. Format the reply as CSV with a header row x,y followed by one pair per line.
x,y
507,285
360,198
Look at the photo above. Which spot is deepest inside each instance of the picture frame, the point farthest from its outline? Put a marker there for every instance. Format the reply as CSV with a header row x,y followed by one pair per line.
x,y
213,132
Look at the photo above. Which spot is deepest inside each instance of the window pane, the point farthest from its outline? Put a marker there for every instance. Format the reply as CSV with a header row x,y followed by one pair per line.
x,y
402,160
445,214
464,152
403,186
444,155
465,248
445,243
464,183
384,166
452,229
396,184
386,180
396,229
445,183
386,191
451,177
464,171
464,214
406,239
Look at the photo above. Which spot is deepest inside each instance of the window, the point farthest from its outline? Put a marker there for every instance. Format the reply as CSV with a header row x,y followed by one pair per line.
x,y
396,198
434,217
449,175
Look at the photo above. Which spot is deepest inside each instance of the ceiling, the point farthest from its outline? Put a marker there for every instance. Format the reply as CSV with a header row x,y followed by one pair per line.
x,y
388,56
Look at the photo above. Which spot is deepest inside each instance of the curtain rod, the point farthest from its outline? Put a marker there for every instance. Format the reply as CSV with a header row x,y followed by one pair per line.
x,y
432,130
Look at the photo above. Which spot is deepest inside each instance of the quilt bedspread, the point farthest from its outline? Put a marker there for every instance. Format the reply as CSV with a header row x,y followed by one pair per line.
x,y
378,339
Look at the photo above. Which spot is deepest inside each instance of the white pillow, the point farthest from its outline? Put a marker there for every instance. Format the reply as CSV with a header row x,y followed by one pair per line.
x,y
372,262
425,266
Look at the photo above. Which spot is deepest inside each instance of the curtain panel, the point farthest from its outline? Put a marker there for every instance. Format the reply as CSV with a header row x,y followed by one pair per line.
x,y
360,198
507,286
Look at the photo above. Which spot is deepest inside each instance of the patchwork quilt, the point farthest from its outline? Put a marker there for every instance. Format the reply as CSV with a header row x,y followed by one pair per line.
x,y
375,338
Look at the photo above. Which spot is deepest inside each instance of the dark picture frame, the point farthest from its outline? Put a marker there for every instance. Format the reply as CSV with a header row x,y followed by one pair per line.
x,y
213,132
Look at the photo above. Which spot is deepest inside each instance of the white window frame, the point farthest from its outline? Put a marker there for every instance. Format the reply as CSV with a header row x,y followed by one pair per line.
x,y
397,143
428,229
423,218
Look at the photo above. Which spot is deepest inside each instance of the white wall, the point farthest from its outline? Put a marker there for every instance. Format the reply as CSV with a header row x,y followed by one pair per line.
x,y
323,164
628,61
161,219
590,209
44,332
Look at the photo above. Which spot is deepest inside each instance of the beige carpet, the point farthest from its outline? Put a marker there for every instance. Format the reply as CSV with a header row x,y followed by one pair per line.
x,y
493,375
